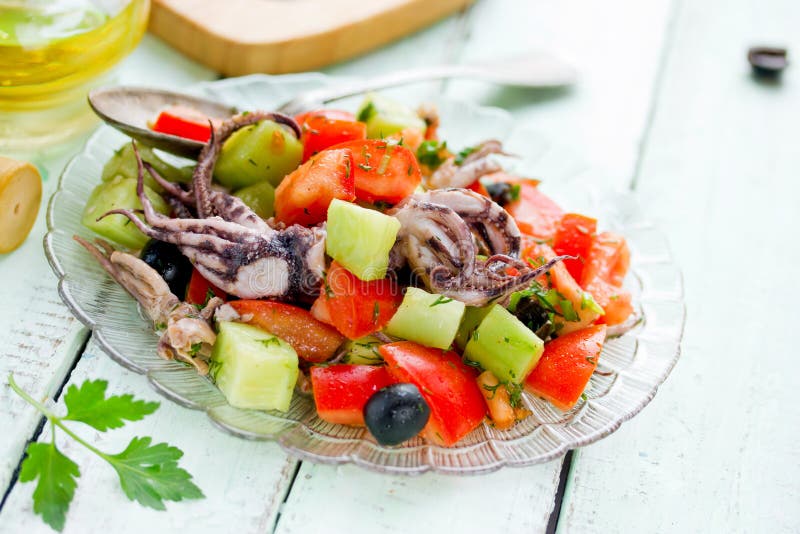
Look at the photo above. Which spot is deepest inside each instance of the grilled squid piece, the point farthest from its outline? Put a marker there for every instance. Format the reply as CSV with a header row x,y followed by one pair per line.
x,y
475,165
187,334
235,250
445,233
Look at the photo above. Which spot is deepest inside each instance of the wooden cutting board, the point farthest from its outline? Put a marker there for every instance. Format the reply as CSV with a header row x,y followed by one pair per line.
x,y
238,37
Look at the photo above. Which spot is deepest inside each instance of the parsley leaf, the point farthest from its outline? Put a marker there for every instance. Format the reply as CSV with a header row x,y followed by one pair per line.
x,y
149,474
441,299
464,154
367,112
57,479
88,404
268,342
376,312
430,153
209,295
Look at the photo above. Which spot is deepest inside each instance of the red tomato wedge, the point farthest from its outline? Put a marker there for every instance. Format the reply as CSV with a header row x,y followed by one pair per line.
x,y
615,301
304,195
312,340
184,122
574,237
320,310
445,382
201,290
325,128
478,187
411,138
357,308
536,214
608,259
341,391
566,366
384,171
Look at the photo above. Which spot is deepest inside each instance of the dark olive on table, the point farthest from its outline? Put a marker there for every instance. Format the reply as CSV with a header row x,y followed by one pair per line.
x,y
767,61
396,413
167,260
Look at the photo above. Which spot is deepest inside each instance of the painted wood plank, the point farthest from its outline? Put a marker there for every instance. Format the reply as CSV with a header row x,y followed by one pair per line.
x,y
717,449
244,481
347,499
616,47
41,336
515,500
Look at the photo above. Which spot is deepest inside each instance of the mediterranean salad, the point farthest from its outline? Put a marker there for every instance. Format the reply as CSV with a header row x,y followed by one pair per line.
x,y
408,286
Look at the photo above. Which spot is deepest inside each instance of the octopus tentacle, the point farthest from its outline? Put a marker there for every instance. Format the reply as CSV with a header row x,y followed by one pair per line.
x,y
150,214
491,225
179,208
201,178
136,277
431,233
171,188
475,165
431,221
484,289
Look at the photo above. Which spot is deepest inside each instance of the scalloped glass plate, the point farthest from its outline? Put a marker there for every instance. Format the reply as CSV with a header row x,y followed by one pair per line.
x,y
632,366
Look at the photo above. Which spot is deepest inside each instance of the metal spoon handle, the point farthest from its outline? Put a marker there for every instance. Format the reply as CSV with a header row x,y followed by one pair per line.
x,y
325,95
532,69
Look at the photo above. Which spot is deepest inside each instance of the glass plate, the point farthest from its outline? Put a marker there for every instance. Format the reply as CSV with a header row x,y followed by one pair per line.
x,y
631,367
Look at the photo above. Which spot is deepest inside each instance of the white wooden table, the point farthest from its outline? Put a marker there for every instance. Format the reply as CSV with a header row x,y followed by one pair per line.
x,y
666,106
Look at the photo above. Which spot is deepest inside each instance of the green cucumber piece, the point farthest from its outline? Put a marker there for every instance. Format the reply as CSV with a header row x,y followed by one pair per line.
x,y
363,351
263,151
252,368
385,116
260,198
503,345
472,318
360,239
431,320
123,163
116,193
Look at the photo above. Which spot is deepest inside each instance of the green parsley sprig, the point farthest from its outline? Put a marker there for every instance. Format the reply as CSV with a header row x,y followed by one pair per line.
x,y
148,473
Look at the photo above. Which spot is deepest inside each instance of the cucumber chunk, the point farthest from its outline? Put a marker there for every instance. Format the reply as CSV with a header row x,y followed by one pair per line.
x,y
119,192
252,368
123,163
260,198
385,116
472,318
503,345
263,151
363,351
360,239
428,319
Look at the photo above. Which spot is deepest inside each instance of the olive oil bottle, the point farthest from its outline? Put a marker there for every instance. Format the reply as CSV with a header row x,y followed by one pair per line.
x,y
51,53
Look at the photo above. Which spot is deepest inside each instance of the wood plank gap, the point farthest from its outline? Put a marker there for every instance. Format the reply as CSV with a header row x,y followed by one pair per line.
x,y
42,420
286,496
15,475
566,467
78,353
663,62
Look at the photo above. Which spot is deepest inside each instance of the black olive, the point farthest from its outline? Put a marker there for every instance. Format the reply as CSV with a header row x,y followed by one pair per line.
x,y
167,260
533,315
503,193
396,413
767,61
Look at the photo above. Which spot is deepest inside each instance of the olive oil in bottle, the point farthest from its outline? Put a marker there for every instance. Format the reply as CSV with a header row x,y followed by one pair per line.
x,y
51,53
